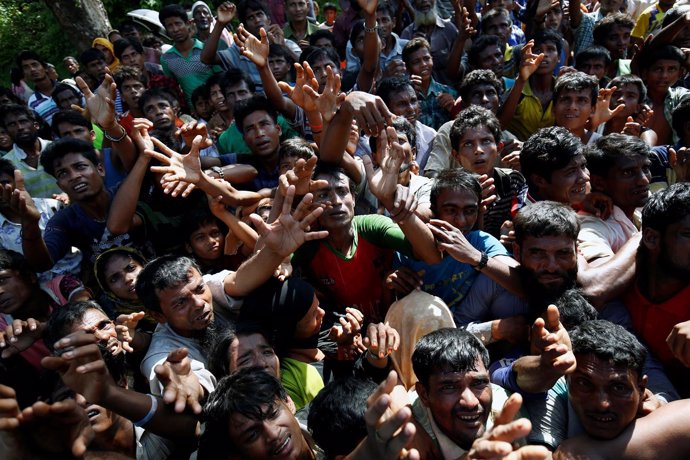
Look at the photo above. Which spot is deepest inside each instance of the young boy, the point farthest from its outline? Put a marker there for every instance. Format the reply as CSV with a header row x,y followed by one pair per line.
x,y
631,92
613,33
574,99
594,61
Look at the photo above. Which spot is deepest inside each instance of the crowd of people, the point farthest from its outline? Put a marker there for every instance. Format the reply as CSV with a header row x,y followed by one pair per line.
x,y
426,229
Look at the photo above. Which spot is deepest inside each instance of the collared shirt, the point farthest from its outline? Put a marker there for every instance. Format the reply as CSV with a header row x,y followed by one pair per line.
x,y
290,34
232,58
441,40
432,114
603,238
38,183
530,115
43,105
189,71
354,63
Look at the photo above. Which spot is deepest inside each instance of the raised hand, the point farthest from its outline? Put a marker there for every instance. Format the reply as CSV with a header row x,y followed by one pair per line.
x,y
602,111
192,129
381,340
452,241
304,77
300,176
226,13
404,280
18,200
126,326
19,335
384,181
680,162
529,62
180,385
140,134
254,49
350,326
370,111
177,167
275,34
548,331
291,229
328,101
101,104
679,342
368,6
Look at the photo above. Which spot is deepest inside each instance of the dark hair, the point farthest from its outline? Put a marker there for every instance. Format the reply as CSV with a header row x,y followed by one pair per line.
x,y
412,46
195,219
674,13
234,77
492,13
124,73
549,35
593,52
90,55
610,342
254,104
610,149
173,11
7,167
401,126
454,179
245,6
162,273
447,350
390,85
275,50
28,55
472,118
546,218
356,29
128,24
604,27
383,6
161,93
71,117
480,44
680,116
62,147
574,309
218,361
199,93
62,319
122,44
577,81
11,96
313,55
296,147
479,77
321,33
548,150
251,392
336,415
62,86
666,52
329,169
106,256
621,80
12,260
16,109
666,207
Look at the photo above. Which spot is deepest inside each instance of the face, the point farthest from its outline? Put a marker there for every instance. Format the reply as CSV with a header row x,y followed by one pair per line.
x,y
203,108
97,323
605,397
337,201
131,91
323,42
33,70
572,109
217,99
662,75
551,57
253,350
610,6
97,69
279,436
51,71
78,177
237,93
131,32
160,112
207,242
177,29
66,98
553,18
549,263
459,208
187,307
567,185
675,251
617,42
202,18
296,10
319,68
484,95
629,95
310,324
330,15
261,133
255,20
424,6
66,129
121,273
477,151
72,66
5,140
133,58
491,58
21,128
594,66
627,183
460,403
15,291
109,58
358,45
421,63
404,103
385,22
100,418
499,26
280,67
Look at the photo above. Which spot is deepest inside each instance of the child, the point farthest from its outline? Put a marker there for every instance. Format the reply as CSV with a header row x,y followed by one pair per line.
x,y
574,100
631,92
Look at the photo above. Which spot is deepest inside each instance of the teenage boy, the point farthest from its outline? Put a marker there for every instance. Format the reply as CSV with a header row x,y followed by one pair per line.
x,y
35,69
574,100
594,61
131,84
613,33
650,21
631,92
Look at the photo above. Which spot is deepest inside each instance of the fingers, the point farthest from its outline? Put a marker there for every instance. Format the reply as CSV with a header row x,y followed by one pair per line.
x,y
19,181
553,318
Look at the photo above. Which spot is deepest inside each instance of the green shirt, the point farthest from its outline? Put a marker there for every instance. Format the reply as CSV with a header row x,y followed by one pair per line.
x,y
189,71
301,381
232,141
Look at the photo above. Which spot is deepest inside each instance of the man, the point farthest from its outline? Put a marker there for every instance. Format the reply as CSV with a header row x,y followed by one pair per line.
x,y
35,69
619,167
72,65
183,61
486,53
95,66
298,27
613,33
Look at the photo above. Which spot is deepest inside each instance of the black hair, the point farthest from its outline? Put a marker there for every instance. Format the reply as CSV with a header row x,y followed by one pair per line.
x,y
356,29
631,79
28,55
12,260
245,6
212,81
401,126
680,116
122,44
11,96
7,167
472,118
16,109
390,85
251,392
313,55
548,150
218,358
90,55
667,207
106,256
666,52
62,147
162,93
62,86
275,50
480,44
610,149
548,36
604,27
234,77
574,309
492,13
162,273
384,6
195,219
336,415
577,81
592,53
479,77
454,179
173,11
447,350
128,24
124,72
62,320
546,218
296,147
254,104
412,46
319,34
71,117
609,342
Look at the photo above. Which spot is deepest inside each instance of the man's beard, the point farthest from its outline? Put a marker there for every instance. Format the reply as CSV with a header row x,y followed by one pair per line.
x,y
540,296
425,19
208,336
670,268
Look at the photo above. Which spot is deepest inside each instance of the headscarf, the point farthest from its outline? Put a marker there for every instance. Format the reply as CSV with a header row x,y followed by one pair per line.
x,y
227,38
279,306
414,316
106,43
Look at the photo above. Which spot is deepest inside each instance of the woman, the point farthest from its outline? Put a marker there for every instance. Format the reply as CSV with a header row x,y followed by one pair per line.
x,y
104,46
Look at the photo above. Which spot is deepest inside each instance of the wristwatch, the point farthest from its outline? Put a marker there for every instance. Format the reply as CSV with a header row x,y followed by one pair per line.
x,y
218,170
482,262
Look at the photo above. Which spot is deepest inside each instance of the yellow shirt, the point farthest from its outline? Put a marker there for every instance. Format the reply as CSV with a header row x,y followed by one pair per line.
x,y
530,116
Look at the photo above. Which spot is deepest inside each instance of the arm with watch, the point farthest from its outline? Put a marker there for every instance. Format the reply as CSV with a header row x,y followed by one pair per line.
x,y
372,46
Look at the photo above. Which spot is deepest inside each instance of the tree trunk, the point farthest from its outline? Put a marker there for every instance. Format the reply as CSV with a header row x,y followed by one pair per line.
x,y
82,20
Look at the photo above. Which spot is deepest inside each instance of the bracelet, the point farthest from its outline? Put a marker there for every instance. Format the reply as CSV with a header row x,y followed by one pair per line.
x,y
218,170
112,139
147,418
34,238
316,128
371,30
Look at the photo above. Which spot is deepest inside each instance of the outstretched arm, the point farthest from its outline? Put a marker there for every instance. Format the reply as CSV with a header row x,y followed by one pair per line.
x,y
528,65
225,14
372,46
